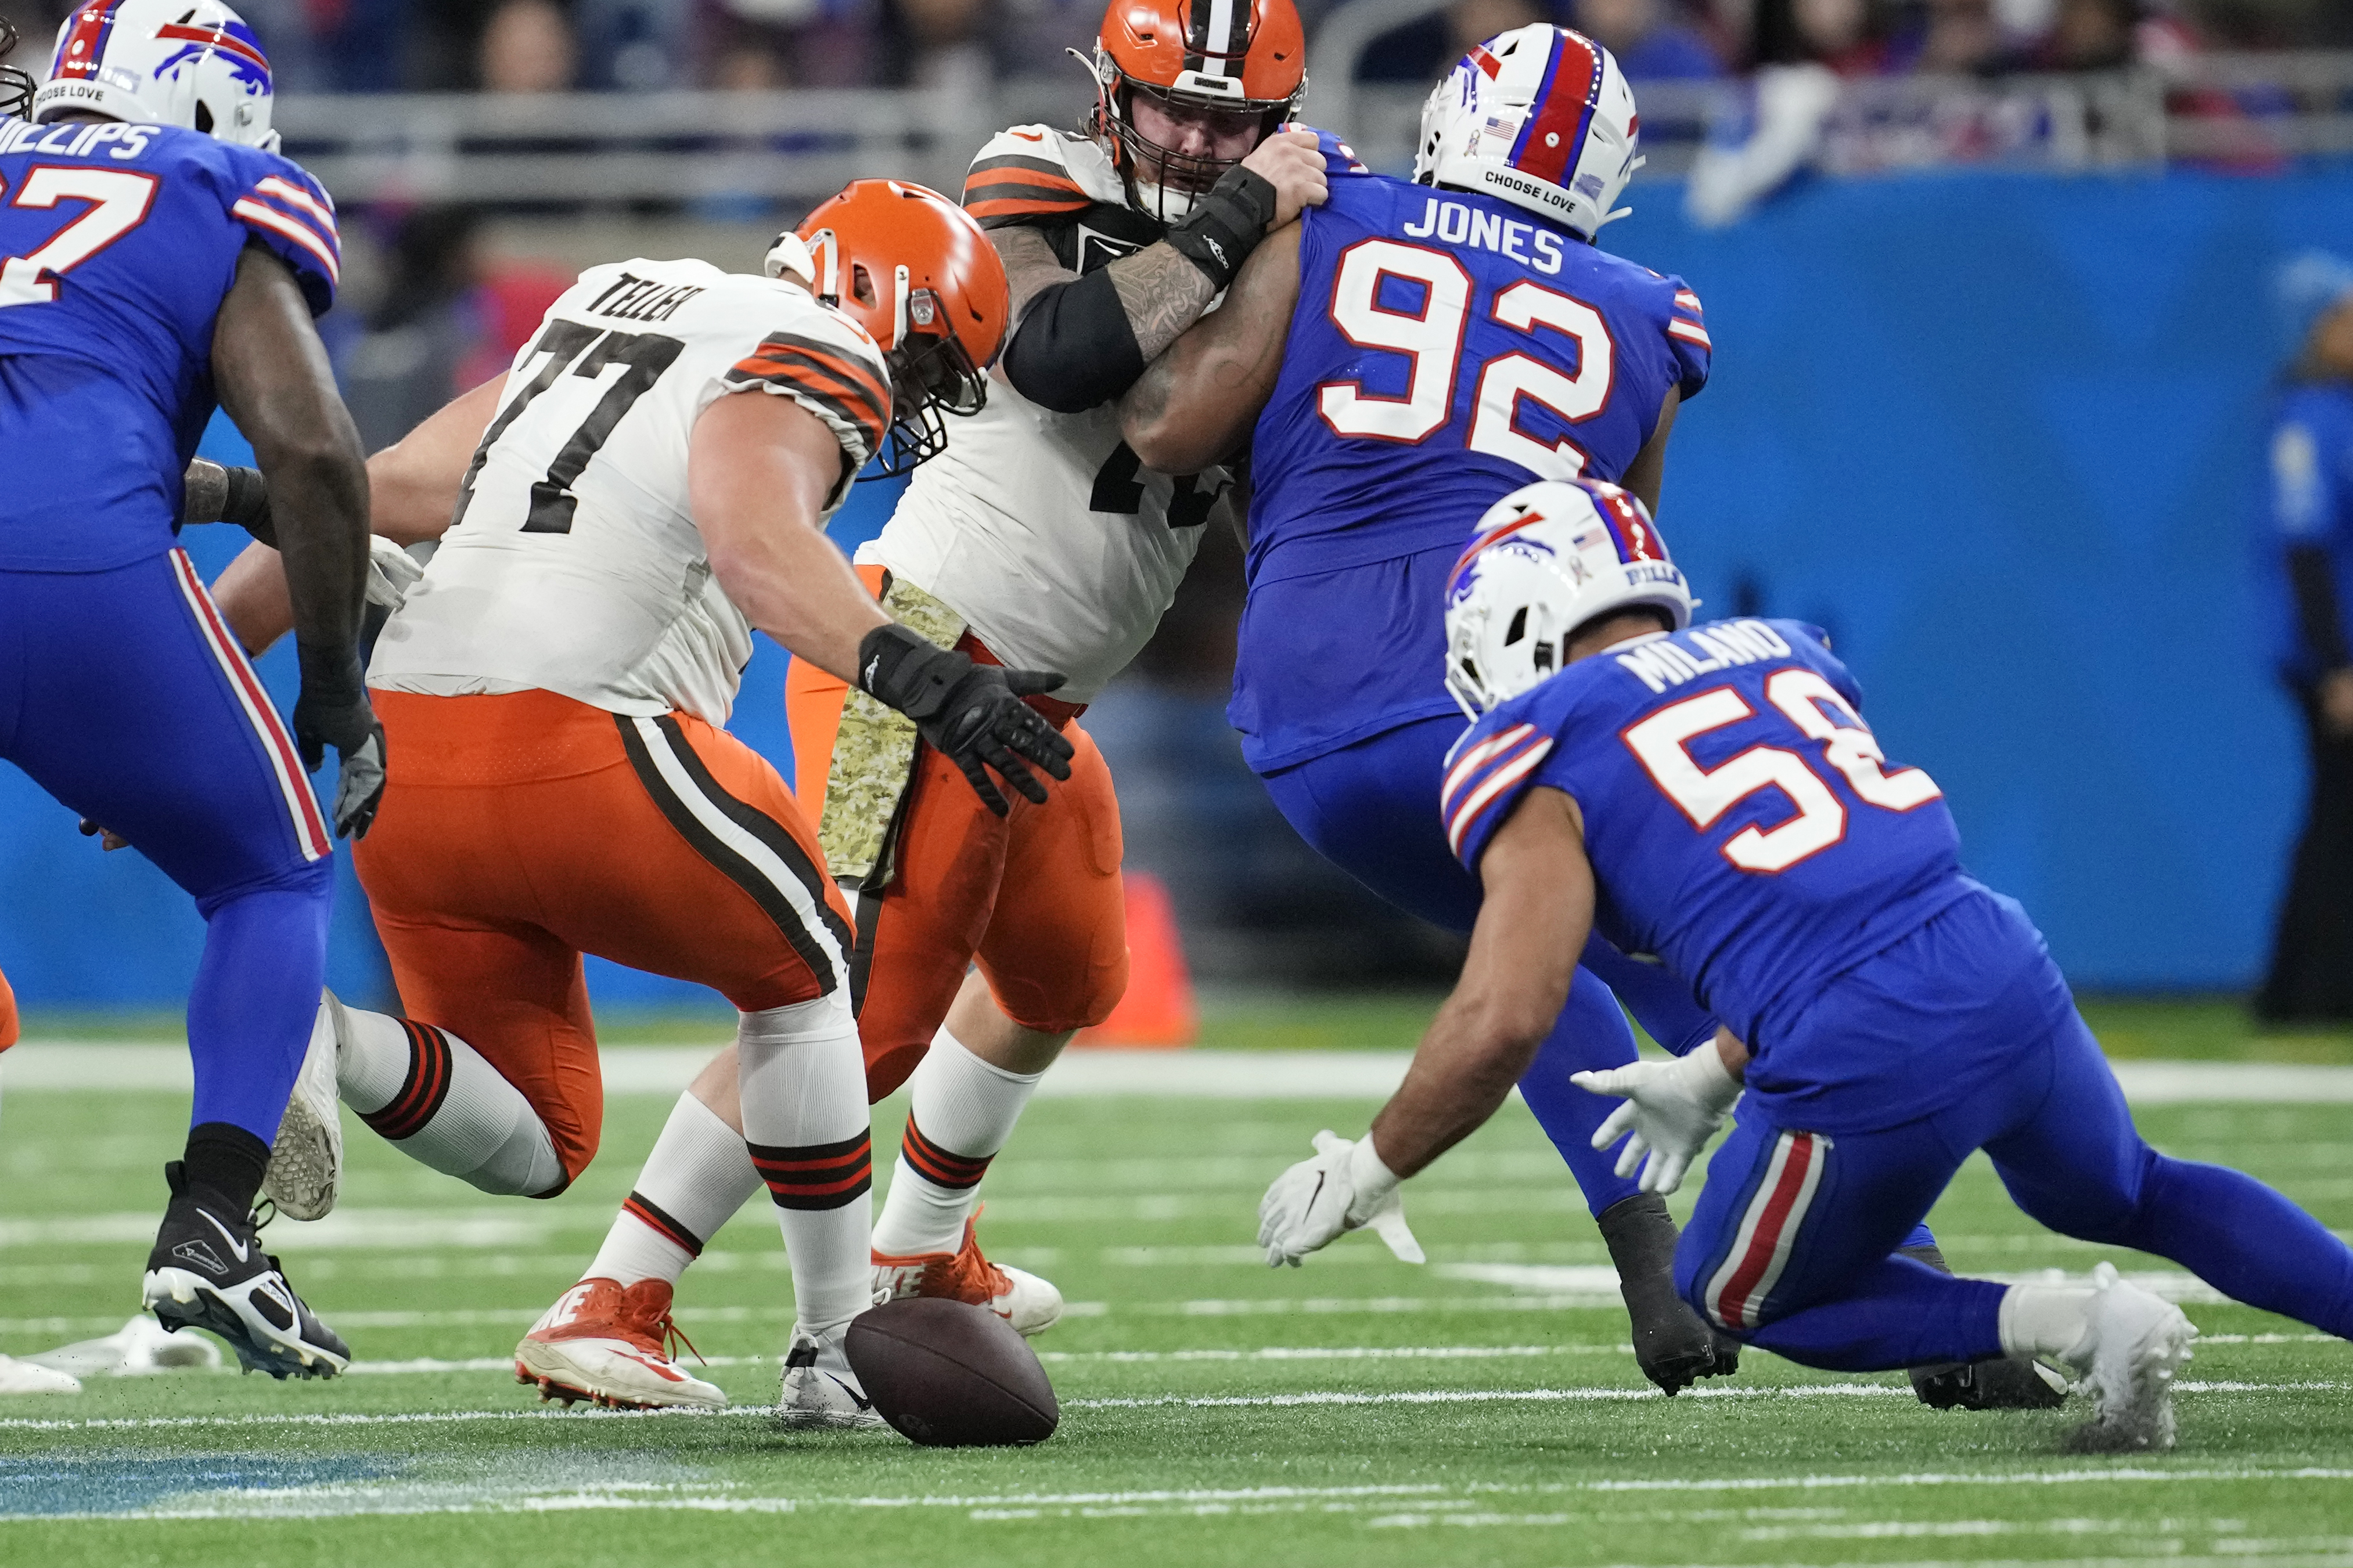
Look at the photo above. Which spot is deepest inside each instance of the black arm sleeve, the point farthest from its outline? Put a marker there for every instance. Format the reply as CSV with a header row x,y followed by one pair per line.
x,y
2311,577
1074,349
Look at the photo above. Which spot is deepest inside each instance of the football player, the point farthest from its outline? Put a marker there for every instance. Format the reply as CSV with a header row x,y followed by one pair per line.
x,y
1712,795
1037,538
160,257
615,514
1408,354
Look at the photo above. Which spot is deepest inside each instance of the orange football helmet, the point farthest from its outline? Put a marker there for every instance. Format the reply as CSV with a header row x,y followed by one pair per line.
x,y
1241,61
914,270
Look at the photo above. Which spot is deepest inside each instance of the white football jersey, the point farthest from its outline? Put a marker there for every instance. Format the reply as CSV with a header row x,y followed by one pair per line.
x,y
1059,548
572,564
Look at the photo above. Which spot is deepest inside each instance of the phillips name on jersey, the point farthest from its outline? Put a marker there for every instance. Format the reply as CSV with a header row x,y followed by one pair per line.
x,y
1746,828
121,242
1042,530
573,564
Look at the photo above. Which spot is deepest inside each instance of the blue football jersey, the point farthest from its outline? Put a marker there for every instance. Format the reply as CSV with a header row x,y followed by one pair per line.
x,y
1447,349
118,244
1747,830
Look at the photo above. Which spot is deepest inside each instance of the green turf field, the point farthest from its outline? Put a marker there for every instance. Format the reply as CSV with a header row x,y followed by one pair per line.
x,y
1358,1411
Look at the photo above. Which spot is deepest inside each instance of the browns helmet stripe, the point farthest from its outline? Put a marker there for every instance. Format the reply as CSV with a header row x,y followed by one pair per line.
x,y
1217,37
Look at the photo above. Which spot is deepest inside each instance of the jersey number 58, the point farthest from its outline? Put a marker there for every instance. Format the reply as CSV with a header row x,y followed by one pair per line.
x,y
1431,340
1660,742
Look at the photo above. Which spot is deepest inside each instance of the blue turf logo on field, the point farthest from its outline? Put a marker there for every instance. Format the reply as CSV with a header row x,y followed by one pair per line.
x,y
74,1482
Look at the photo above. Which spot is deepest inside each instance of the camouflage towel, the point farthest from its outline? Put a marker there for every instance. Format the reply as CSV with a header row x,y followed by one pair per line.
x,y
875,755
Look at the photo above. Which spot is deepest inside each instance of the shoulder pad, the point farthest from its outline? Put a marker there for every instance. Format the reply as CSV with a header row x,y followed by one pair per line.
x,y
1034,172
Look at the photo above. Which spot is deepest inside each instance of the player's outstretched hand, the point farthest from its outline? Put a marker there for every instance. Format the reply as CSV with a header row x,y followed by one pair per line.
x,y
1292,163
1671,1110
1343,1187
971,713
334,710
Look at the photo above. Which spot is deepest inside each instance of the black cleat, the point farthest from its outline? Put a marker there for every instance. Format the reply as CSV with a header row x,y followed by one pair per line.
x,y
1672,1345
209,1271
1999,1383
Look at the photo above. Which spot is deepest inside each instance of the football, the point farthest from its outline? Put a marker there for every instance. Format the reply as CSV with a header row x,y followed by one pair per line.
x,y
948,1375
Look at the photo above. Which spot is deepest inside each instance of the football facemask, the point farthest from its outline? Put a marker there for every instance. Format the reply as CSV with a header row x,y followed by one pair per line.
x,y
16,84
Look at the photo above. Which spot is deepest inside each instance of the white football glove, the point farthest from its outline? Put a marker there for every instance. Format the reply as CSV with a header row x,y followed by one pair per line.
x,y
392,572
1672,1109
1344,1187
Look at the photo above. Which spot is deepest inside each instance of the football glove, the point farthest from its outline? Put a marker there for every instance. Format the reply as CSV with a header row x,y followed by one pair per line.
x,y
1343,1187
971,713
334,710
1671,1110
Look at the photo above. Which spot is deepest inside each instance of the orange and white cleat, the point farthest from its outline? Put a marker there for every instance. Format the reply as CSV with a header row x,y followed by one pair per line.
x,y
1030,1304
610,1345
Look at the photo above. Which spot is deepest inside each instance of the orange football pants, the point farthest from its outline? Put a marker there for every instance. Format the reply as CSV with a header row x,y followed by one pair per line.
x,y
7,1014
523,830
1033,898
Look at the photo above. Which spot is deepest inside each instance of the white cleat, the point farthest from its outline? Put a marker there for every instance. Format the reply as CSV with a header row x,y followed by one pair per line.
x,y
27,1377
610,1345
2132,1346
820,1393
1030,1304
306,1162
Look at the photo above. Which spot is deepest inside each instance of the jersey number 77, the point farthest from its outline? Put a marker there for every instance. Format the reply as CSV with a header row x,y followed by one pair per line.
x,y
1660,742
1374,278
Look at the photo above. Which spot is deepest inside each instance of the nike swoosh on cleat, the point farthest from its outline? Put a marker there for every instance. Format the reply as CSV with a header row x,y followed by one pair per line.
x,y
856,1398
244,1253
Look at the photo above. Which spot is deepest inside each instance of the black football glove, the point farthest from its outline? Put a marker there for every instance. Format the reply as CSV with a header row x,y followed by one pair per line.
x,y
334,710
971,713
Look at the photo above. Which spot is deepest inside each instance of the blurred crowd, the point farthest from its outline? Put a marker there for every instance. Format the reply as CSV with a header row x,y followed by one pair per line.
x,y
543,46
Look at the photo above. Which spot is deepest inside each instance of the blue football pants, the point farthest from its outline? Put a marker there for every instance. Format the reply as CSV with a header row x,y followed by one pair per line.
x,y
1789,1247
123,695
1371,809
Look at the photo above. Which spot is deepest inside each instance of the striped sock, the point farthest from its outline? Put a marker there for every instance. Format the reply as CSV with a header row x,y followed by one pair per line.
x,y
964,1111
804,1084
694,1181
432,1094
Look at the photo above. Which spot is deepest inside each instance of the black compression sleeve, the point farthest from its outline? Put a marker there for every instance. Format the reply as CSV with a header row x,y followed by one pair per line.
x,y
2313,578
1074,348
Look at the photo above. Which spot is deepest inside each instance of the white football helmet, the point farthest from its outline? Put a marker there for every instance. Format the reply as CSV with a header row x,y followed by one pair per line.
x,y
192,63
1540,116
1547,559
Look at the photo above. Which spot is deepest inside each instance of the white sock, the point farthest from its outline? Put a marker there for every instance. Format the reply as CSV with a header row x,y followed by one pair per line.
x,y
2045,1320
697,1177
964,1111
804,1084
435,1098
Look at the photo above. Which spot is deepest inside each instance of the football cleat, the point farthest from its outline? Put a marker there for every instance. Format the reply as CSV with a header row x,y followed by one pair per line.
x,y
1030,1304
31,1377
609,1344
820,1393
209,1271
306,1162
1999,1383
2132,1346
1672,1345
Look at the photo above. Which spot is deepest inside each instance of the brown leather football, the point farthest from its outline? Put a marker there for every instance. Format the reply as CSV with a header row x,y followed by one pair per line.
x,y
947,1374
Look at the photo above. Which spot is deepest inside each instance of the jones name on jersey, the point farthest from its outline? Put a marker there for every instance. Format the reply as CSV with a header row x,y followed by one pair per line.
x,y
1043,531
573,564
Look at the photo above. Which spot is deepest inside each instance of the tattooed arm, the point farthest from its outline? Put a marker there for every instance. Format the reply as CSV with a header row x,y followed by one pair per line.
x,y
1161,292
1196,402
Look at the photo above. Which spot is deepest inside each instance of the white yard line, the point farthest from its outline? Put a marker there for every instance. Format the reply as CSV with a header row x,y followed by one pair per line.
x,y
38,1063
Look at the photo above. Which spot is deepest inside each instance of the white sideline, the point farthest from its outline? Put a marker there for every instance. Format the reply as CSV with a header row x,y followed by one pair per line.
x,y
665,1070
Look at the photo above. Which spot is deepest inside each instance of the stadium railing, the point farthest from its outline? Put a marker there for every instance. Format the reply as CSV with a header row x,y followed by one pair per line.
x,y
567,151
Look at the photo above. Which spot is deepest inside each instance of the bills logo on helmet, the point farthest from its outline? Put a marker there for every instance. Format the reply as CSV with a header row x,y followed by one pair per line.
x,y
234,43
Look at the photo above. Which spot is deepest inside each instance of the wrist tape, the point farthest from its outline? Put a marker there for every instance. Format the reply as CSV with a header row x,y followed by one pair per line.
x,y
1226,224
